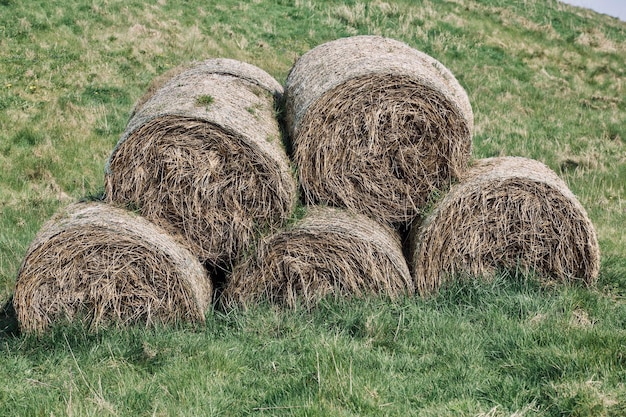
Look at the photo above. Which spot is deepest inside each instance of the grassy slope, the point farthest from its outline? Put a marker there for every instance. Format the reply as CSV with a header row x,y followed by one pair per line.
x,y
545,80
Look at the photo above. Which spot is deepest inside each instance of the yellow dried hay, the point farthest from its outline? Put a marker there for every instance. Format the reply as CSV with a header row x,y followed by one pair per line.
x,y
376,126
329,252
506,213
105,265
203,157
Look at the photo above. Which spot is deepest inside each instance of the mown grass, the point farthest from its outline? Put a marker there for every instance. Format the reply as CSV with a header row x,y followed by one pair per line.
x,y
545,81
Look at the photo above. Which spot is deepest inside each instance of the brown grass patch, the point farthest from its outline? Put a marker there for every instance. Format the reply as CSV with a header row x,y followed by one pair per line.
x,y
506,213
104,265
329,252
203,157
376,126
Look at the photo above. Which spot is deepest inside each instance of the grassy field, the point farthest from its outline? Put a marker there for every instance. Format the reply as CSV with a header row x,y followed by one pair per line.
x,y
546,81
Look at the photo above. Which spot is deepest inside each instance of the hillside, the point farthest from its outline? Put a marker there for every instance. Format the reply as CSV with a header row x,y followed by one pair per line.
x,y
545,80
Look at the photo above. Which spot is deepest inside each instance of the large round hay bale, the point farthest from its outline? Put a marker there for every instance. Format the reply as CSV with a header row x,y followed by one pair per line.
x,y
203,157
328,252
506,213
376,126
107,266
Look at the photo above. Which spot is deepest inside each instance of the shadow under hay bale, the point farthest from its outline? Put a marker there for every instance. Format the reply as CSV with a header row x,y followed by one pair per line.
x,y
329,252
105,265
203,157
8,319
506,213
376,126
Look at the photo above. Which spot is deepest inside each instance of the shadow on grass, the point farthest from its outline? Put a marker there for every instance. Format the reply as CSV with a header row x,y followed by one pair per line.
x,y
8,320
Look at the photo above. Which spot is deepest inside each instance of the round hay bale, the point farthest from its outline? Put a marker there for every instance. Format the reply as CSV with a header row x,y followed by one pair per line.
x,y
105,265
376,126
506,213
328,252
203,157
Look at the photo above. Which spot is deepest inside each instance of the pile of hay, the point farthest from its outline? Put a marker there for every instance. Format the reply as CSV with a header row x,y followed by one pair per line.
x,y
506,213
101,264
329,252
376,126
203,157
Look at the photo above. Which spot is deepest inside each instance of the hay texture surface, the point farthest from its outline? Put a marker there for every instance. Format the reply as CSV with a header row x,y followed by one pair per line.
x,y
506,213
376,126
203,157
329,252
105,265
218,66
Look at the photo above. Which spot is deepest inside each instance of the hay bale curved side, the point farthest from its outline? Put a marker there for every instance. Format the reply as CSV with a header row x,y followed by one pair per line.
x,y
506,213
376,126
203,157
105,265
329,252
223,66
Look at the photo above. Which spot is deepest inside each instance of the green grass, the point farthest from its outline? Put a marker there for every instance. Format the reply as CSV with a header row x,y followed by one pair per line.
x,y
545,80
204,100
497,348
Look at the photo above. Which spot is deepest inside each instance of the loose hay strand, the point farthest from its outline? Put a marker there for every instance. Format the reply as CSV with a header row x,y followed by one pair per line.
x,y
102,264
212,170
329,252
506,213
376,126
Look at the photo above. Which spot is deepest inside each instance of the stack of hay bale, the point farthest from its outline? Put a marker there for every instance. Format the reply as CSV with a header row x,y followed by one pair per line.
x,y
377,131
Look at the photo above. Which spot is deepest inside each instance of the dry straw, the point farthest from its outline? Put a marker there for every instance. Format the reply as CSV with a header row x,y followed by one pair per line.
x,y
507,213
223,66
376,126
158,82
203,157
104,265
330,252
